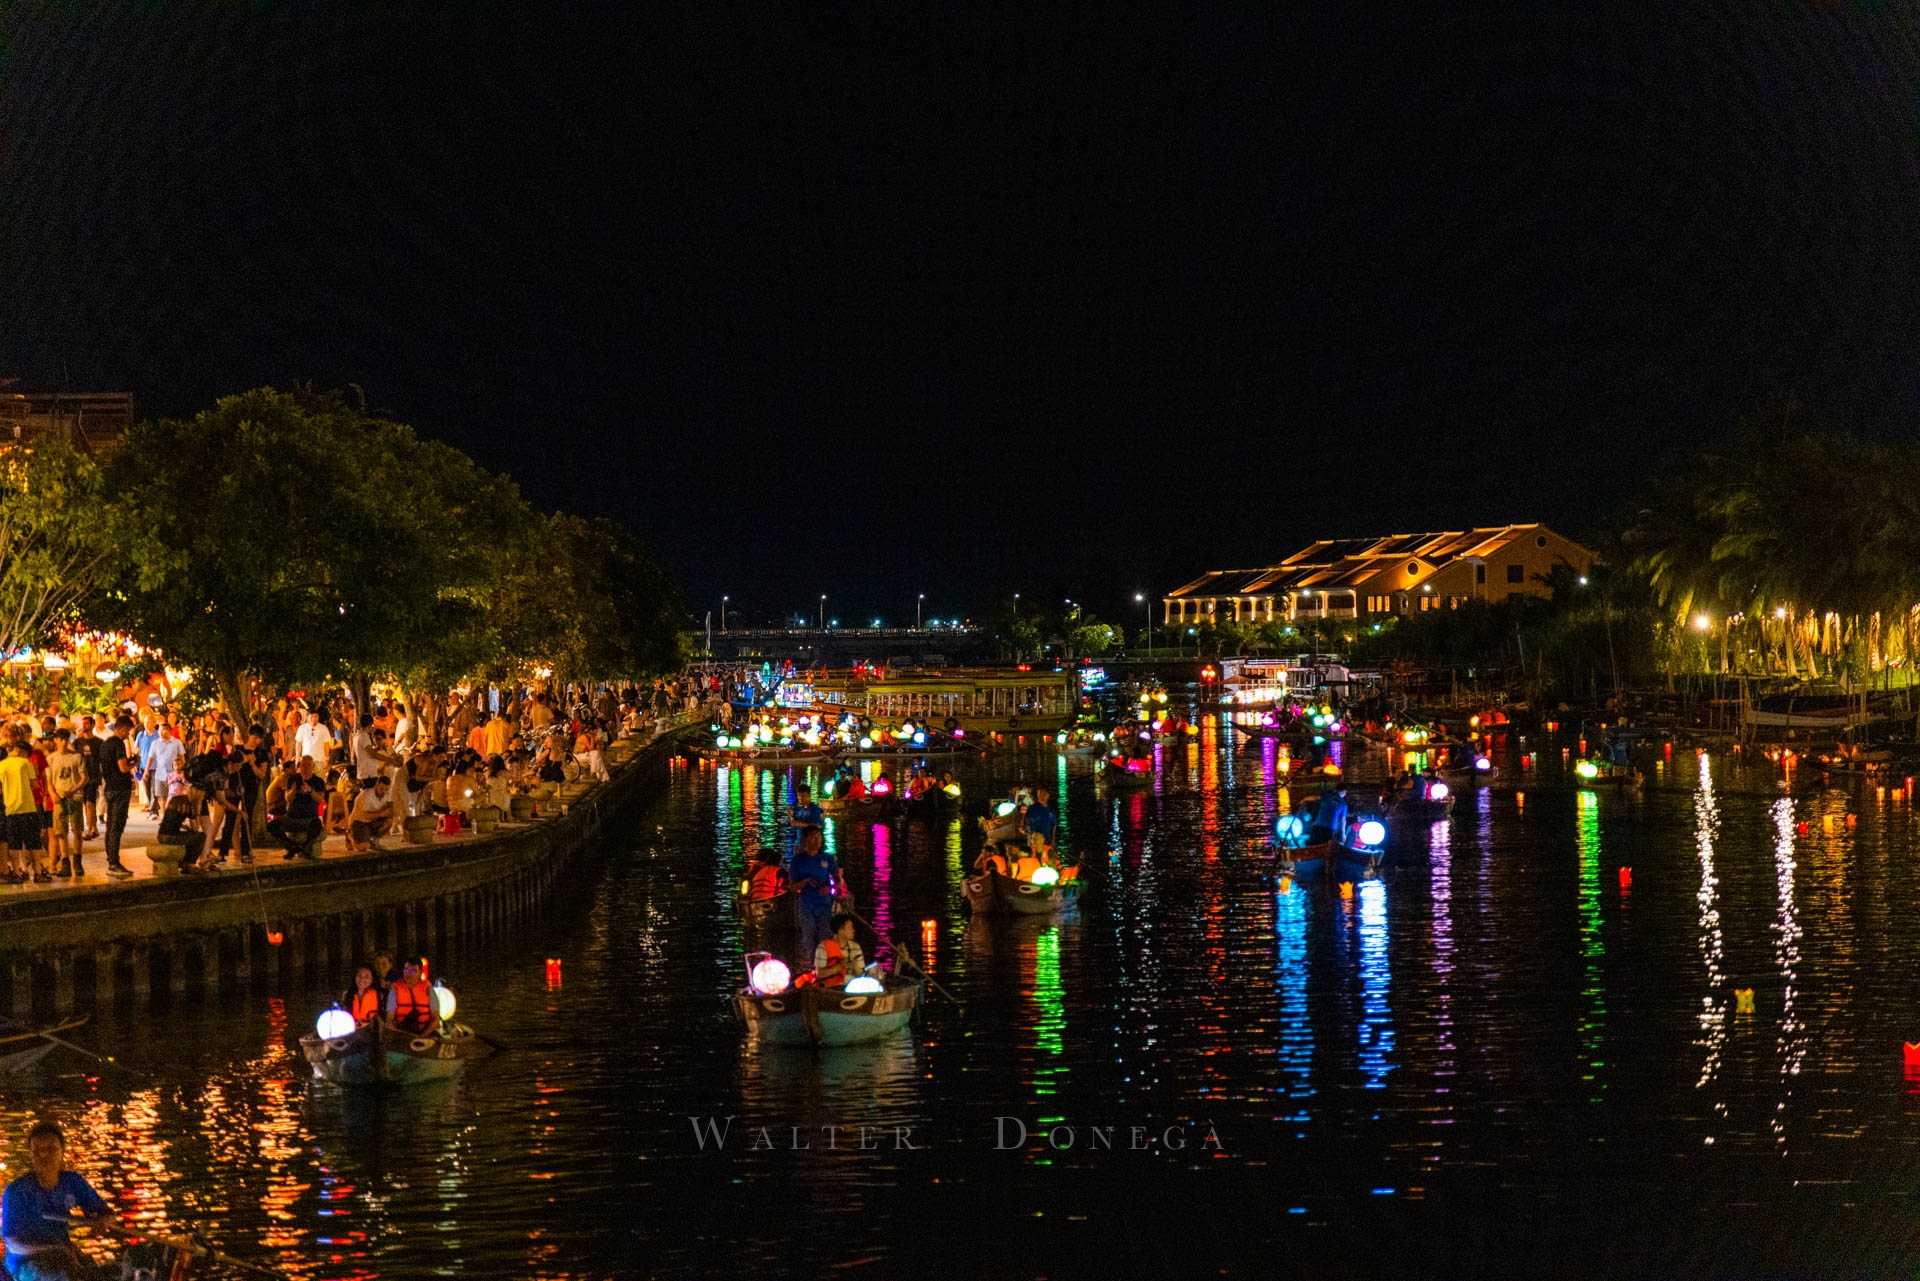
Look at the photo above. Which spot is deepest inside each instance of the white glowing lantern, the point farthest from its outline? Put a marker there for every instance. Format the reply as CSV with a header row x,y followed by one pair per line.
x,y
1045,876
334,1024
865,985
771,976
1373,832
1482,764
1437,792
444,1003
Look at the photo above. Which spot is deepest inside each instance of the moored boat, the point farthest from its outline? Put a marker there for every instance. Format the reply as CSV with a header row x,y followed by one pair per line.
x,y
22,1048
381,1054
1129,769
827,1016
1423,809
1301,860
992,892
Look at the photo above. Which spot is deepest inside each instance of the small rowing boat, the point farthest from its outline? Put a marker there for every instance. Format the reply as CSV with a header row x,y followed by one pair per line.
x,y
1301,860
1130,769
381,1054
1423,809
827,1016
22,1049
992,892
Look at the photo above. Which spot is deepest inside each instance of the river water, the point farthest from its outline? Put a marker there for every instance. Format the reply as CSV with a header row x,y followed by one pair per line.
x,y
1501,1058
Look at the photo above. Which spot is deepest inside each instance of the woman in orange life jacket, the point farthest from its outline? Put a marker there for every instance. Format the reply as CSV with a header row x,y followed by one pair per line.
x,y
410,1002
363,1002
838,958
990,860
768,880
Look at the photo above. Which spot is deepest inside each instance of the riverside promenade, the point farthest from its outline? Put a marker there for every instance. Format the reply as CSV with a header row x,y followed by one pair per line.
x,y
278,925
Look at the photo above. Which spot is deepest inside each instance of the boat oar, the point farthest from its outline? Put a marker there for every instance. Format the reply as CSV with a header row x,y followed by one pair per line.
x,y
901,948
77,1049
197,1246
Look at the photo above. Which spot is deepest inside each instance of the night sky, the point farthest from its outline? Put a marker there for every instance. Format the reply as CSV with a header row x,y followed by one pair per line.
x,y
874,305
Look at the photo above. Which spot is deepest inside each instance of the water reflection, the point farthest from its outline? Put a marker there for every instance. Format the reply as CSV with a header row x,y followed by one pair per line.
x,y
1712,1038
1375,1033
1790,1042
1593,947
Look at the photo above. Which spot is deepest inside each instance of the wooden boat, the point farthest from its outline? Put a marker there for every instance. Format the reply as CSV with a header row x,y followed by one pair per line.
x,y
1458,776
827,1016
22,1049
769,924
765,756
1129,769
1623,778
1301,860
934,803
1420,809
866,807
992,892
381,1054
1356,865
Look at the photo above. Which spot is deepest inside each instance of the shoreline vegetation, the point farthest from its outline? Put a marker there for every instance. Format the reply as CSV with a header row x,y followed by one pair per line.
x,y
288,539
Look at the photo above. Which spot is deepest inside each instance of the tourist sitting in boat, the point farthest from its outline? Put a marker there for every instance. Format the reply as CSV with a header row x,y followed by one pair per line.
x,y
991,860
768,880
838,957
363,1002
919,785
855,790
34,1212
410,1002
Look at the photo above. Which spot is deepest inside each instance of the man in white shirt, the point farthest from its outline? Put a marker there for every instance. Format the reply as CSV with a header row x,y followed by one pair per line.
x,y
315,740
370,756
371,816
403,730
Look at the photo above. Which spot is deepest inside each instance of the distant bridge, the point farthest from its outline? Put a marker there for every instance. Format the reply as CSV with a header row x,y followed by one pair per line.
x,y
837,645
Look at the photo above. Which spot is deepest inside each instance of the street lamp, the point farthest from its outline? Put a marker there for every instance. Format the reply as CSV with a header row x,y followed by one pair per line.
x,y
916,610
823,611
723,613
1146,609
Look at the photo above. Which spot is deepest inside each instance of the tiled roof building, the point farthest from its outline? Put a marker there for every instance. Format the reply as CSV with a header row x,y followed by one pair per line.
x,y
1397,574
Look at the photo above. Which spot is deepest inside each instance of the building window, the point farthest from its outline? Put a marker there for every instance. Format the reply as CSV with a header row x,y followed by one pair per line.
x,y
1540,540
1413,568
1480,575
1516,573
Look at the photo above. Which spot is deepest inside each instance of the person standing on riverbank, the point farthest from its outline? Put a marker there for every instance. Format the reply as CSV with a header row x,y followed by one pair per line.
x,y
116,769
23,816
66,775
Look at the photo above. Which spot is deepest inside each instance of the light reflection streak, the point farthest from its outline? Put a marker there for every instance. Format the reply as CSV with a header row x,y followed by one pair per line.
x,y
1713,1006
1376,1038
1791,1042
882,890
1290,976
1593,945
1440,883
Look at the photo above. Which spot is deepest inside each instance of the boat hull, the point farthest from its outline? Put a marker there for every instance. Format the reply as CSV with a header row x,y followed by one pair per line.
x,y
392,1057
1301,860
826,1017
992,892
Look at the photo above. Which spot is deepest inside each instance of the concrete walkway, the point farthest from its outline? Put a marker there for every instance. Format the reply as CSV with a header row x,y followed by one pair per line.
x,y
267,855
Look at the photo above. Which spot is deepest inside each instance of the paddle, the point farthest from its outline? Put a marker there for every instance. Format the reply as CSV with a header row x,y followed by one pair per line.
x,y
195,1245
901,948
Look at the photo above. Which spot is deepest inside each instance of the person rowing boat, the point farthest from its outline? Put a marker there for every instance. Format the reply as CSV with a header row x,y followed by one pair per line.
x,y
36,1211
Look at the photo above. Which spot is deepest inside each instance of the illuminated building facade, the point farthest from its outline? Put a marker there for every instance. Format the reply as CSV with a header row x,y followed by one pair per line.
x,y
1369,577
93,420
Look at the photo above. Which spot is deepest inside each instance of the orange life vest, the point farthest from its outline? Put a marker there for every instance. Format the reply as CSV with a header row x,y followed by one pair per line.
x,y
412,1004
764,883
996,864
365,1006
1024,866
835,953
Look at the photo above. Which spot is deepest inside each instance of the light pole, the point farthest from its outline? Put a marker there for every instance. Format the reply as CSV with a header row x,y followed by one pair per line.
x,y
823,611
1147,609
916,611
723,613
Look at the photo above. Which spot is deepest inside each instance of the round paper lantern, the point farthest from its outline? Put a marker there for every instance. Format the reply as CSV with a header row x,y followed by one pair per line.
x,y
1373,832
334,1024
444,1002
1437,792
1045,876
770,977
864,985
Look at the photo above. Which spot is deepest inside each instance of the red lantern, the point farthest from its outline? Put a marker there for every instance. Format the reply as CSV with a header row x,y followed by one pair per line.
x,y
1626,878
275,938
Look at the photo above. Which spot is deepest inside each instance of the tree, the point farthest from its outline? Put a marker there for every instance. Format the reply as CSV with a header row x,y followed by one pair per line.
x,y
590,604
309,541
60,541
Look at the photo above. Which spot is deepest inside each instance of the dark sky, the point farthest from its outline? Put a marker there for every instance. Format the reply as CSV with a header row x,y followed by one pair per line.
x,y
955,302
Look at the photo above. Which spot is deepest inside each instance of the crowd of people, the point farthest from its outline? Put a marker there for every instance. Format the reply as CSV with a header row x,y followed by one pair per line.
x,y
309,766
